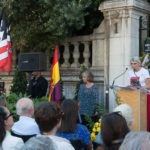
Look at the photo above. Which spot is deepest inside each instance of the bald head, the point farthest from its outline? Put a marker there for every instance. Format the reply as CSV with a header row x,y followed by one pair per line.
x,y
25,107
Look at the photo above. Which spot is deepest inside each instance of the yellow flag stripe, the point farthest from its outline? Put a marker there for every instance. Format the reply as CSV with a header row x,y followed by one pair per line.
x,y
55,74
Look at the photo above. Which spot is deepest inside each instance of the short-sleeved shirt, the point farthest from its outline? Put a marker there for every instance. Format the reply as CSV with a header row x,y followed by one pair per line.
x,y
81,134
142,73
87,98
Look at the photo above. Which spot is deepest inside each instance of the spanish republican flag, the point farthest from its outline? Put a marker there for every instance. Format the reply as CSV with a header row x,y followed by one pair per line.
x,y
55,88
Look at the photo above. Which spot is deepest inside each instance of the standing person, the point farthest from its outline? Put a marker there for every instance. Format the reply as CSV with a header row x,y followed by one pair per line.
x,y
143,75
48,117
87,96
138,71
78,134
38,85
7,141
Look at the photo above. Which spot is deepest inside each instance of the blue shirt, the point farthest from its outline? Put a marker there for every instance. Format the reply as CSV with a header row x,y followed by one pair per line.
x,y
25,126
81,134
87,98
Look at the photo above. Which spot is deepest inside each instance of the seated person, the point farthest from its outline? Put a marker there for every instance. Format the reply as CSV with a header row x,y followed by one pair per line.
x,y
26,127
70,129
127,112
48,117
113,130
7,141
39,143
136,141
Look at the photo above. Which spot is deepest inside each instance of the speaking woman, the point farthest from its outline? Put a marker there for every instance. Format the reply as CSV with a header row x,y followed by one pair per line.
x,y
138,71
143,75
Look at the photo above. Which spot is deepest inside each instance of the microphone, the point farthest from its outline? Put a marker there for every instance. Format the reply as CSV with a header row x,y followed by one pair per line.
x,y
117,78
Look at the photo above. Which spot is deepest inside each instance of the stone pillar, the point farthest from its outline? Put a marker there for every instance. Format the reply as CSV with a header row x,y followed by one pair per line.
x,y
122,29
66,55
76,55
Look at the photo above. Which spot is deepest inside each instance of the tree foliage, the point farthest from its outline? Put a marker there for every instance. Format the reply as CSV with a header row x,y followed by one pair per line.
x,y
38,25
19,83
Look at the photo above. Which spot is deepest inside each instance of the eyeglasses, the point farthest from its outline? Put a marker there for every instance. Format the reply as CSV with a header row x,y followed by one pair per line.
x,y
11,114
134,63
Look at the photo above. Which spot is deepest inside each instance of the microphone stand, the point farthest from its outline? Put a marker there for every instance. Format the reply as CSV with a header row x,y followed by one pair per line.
x,y
112,86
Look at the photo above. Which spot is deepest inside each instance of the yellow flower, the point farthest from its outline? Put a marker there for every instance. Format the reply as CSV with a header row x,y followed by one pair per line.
x,y
96,124
93,137
94,129
98,129
99,120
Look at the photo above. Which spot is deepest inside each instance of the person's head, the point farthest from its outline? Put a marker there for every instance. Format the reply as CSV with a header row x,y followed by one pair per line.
x,y
70,118
3,101
87,76
113,130
6,122
127,112
39,143
48,116
25,107
36,73
136,141
135,63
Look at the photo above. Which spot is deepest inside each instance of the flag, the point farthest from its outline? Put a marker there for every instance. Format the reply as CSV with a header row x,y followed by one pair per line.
x,y
8,65
55,88
3,41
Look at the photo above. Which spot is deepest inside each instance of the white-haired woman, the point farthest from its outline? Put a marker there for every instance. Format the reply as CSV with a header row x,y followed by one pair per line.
x,y
143,75
138,71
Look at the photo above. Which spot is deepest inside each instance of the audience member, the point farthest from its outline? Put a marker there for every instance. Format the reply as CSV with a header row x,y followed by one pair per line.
x,y
26,127
127,112
7,141
39,143
3,101
113,130
136,141
70,129
48,117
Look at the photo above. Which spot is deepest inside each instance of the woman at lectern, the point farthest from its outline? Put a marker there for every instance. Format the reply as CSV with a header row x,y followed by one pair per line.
x,y
138,74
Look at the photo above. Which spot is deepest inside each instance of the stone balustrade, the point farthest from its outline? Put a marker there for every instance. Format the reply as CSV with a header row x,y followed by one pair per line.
x,y
76,51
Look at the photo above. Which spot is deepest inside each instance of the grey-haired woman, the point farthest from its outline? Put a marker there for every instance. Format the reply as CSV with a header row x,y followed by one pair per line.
x,y
87,96
138,71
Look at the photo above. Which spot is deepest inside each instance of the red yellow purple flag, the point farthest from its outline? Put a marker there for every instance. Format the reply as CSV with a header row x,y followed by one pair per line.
x,y
55,88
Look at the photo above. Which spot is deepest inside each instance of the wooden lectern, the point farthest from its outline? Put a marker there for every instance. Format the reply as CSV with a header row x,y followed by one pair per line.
x,y
137,99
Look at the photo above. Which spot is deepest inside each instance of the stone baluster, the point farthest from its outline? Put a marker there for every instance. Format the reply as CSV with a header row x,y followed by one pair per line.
x,y
66,55
86,54
76,55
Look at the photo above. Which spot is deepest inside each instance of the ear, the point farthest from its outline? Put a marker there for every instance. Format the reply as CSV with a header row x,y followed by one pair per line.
x,y
6,122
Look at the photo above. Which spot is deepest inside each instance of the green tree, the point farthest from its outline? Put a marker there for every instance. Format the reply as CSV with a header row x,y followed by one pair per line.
x,y
38,25
19,83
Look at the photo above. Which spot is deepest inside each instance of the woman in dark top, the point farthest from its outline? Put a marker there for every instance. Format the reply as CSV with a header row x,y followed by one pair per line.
x,y
113,130
70,129
87,96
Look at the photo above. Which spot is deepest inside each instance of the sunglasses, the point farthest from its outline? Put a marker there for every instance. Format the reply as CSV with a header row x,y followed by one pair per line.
x,y
11,114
